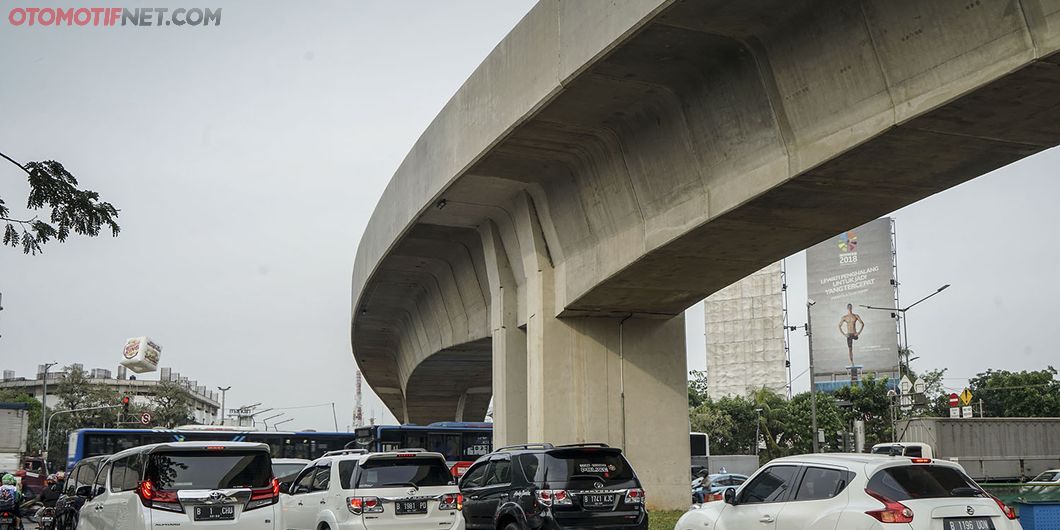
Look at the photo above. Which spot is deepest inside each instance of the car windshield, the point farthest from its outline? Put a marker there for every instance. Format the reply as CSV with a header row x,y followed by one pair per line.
x,y
923,482
589,464
405,471
195,470
1048,476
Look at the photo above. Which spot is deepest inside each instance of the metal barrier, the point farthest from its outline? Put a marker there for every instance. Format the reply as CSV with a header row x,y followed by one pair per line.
x,y
1038,505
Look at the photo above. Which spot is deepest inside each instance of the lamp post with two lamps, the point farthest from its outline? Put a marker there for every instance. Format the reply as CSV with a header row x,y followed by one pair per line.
x,y
900,314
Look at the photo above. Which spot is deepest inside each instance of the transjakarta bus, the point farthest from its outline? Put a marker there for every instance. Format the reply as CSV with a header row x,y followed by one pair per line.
x,y
84,443
461,442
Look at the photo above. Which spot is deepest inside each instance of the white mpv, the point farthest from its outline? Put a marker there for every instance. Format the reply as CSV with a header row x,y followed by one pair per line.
x,y
854,492
355,490
216,485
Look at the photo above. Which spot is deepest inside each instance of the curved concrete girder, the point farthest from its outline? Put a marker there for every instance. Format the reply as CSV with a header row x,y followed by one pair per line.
x,y
453,384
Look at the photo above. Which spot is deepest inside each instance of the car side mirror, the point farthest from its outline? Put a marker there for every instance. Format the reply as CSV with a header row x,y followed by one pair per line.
x,y
730,496
285,487
98,490
83,491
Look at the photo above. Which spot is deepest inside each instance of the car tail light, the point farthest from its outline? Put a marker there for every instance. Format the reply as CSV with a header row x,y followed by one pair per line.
x,y
152,497
1005,509
264,496
892,512
451,501
635,496
359,505
553,498
921,460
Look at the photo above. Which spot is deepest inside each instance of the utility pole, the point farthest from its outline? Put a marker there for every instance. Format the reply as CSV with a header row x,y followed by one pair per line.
x,y
813,377
224,390
44,407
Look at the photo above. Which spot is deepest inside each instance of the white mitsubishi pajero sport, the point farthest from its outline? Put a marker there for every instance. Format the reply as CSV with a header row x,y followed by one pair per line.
x,y
354,490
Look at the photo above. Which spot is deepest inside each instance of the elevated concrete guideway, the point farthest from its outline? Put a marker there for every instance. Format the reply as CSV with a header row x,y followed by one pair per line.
x,y
612,163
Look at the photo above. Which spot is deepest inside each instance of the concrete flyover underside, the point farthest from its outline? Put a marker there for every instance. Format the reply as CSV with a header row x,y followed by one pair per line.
x,y
612,163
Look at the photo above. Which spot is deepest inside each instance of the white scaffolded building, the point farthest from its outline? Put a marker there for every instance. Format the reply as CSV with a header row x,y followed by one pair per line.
x,y
745,336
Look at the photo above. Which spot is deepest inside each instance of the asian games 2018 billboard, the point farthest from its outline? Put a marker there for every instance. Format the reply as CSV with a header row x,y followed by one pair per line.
x,y
845,273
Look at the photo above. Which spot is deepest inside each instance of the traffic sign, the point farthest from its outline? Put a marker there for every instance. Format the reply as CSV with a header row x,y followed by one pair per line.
x,y
966,397
919,387
966,411
954,400
145,418
955,412
905,384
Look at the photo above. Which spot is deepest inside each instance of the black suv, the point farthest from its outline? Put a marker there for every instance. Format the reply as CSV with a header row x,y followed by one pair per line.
x,y
547,487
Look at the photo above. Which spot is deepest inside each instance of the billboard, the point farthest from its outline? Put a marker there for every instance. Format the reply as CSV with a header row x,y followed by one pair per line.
x,y
844,274
745,336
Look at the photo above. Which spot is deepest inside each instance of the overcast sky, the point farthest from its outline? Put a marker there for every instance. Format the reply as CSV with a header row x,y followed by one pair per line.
x,y
246,159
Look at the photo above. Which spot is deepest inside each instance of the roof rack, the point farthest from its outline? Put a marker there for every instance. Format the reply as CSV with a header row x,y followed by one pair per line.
x,y
595,444
408,450
346,452
527,446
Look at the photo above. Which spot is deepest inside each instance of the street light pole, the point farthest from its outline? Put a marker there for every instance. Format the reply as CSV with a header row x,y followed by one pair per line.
x,y
813,377
44,407
905,322
224,390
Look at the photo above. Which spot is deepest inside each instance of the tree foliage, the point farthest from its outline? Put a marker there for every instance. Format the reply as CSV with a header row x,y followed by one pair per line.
x,y
72,209
1017,394
170,405
869,402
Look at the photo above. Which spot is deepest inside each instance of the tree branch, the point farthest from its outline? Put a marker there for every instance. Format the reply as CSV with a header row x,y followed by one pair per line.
x,y
12,160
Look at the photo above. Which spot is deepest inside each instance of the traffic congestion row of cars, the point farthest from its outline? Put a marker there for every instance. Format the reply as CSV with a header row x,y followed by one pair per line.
x,y
234,485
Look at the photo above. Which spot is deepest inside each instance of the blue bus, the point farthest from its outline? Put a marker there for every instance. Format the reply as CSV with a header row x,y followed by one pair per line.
x,y
309,445
461,442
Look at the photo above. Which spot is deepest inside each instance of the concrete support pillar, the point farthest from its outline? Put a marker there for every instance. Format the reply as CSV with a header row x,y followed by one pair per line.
x,y
509,343
618,381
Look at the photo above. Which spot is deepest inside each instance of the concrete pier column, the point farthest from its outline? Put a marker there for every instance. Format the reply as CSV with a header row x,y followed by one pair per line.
x,y
509,343
621,381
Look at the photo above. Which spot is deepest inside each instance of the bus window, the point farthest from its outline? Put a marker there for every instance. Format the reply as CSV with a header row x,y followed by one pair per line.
x,y
447,444
415,440
391,439
476,445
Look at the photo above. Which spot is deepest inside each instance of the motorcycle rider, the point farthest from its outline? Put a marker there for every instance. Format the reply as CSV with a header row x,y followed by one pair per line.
x,y
9,490
51,493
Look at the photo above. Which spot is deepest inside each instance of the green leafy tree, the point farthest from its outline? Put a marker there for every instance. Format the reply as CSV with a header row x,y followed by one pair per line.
x,y
76,391
1017,394
799,435
171,405
870,403
72,209
697,388
771,422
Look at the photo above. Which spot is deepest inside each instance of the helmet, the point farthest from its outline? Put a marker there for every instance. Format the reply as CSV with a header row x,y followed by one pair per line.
x,y
60,475
9,479
50,479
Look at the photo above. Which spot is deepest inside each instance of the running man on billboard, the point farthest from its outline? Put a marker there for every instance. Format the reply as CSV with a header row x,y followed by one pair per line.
x,y
848,326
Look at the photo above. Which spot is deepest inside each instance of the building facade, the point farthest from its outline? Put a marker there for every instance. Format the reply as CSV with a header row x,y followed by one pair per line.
x,y
745,336
204,403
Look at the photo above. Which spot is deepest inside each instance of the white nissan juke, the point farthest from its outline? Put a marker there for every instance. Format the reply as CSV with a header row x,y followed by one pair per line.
x,y
855,492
